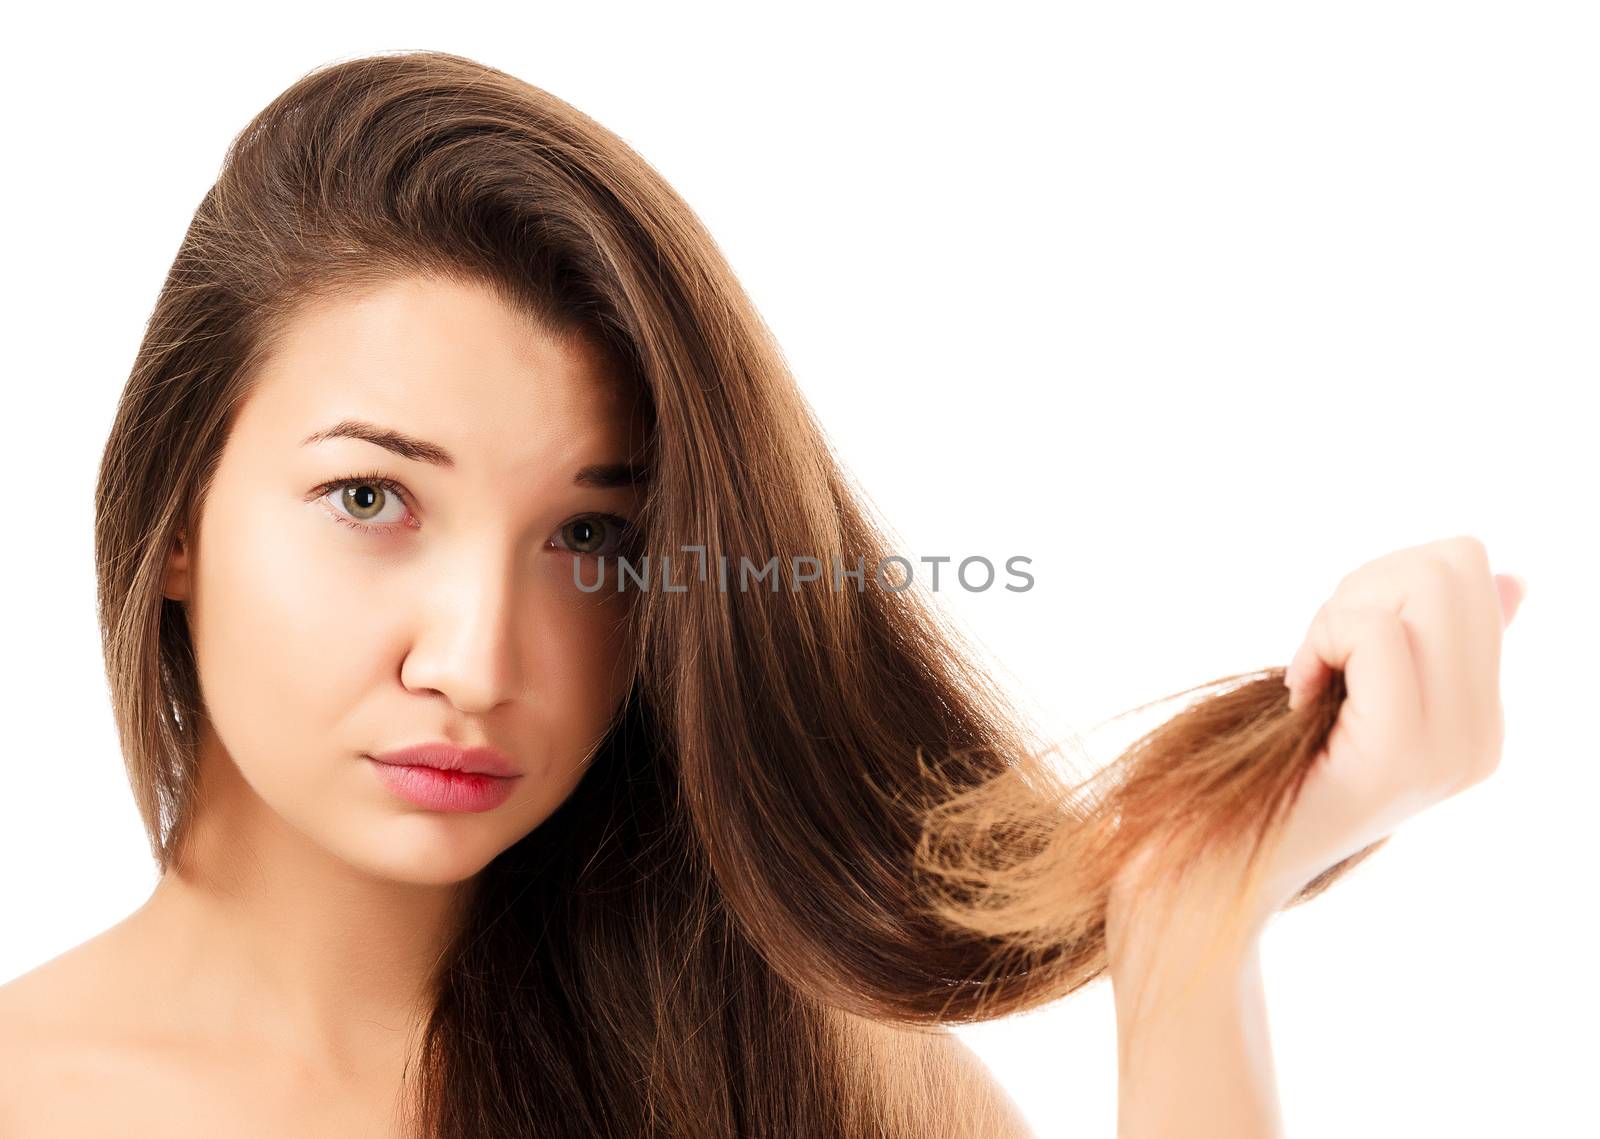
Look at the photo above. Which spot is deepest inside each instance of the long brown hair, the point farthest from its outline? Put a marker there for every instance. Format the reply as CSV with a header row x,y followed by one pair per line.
x,y
812,800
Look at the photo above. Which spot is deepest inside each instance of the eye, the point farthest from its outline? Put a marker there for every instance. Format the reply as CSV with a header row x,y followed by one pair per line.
x,y
594,535
360,501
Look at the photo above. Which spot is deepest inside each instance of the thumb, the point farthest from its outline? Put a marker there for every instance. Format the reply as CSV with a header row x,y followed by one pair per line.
x,y
1512,589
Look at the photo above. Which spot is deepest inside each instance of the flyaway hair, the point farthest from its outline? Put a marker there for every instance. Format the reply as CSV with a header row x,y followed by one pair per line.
x,y
812,803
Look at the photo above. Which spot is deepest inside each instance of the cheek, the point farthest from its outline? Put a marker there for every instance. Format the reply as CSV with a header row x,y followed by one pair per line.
x,y
277,631
582,670
578,673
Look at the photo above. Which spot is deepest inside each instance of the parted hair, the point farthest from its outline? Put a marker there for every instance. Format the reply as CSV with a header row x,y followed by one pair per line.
x,y
812,800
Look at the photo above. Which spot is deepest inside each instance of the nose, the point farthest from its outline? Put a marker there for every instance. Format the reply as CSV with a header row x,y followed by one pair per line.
x,y
466,645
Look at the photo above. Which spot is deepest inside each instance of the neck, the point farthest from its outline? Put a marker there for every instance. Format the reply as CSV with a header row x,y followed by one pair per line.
x,y
263,938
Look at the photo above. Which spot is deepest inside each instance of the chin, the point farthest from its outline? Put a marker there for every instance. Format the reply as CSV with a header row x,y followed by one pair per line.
x,y
423,851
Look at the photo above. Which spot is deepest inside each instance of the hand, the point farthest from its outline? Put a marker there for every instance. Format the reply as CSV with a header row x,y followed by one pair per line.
x,y
1417,636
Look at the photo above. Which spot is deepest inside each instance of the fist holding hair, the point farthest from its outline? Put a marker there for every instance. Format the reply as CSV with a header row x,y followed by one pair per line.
x,y
1416,635
1410,642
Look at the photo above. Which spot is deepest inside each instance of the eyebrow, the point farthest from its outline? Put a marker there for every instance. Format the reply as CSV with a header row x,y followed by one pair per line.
x,y
603,476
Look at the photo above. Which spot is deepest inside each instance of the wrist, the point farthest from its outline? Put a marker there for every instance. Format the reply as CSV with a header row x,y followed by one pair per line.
x,y
1194,1055
1168,973
1158,926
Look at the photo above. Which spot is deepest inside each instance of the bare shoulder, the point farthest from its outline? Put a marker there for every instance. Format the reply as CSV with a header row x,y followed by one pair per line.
x,y
951,1090
25,1040
27,1003
60,992
50,1050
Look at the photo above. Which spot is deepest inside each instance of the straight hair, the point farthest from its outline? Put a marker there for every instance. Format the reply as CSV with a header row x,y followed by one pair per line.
x,y
812,801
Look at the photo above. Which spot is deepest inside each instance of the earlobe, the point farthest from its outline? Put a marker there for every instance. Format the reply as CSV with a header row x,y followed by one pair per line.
x,y
176,586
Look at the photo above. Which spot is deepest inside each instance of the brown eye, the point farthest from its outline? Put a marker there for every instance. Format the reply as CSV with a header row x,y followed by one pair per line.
x,y
359,500
585,536
595,534
364,500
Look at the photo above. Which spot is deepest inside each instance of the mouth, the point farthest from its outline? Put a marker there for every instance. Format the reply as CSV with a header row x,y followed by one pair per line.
x,y
438,789
441,755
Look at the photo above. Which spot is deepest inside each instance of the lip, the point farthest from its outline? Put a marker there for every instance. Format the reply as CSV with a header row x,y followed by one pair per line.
x,y
445,756
444,777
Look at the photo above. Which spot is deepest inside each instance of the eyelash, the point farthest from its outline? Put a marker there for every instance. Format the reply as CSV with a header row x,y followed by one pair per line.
x,y
389,486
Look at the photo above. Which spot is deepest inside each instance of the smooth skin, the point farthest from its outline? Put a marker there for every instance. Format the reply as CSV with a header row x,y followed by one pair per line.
x,y
272,984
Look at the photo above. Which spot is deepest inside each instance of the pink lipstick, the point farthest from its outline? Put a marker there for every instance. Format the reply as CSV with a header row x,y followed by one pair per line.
x,y
445,777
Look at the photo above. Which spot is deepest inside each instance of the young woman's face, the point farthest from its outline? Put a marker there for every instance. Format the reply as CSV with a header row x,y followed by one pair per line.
x,y
332,623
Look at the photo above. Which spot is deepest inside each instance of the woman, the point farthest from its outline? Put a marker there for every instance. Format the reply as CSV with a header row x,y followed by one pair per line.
x,y
463,830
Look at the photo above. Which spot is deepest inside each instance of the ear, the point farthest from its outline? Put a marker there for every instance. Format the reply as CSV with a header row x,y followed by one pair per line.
x,y
176,586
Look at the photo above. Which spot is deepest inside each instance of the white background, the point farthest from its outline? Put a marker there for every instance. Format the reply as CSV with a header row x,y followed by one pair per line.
x,y
1200,306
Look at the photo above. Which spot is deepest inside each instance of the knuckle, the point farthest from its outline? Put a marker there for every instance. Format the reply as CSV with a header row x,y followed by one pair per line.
x,y
1332,620
1438,572
1467,553
1356,621
1318,628
1365,615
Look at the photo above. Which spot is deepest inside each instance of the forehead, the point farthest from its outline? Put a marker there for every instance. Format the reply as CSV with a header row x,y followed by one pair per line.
x,y
447,360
